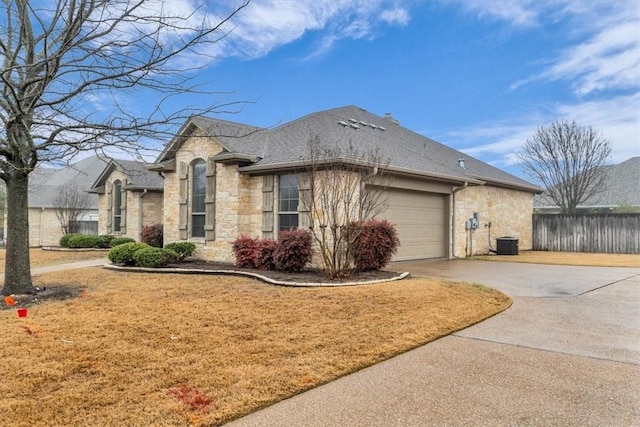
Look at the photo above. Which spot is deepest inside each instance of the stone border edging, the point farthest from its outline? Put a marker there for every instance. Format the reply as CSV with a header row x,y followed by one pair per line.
x,y
61,249
248,274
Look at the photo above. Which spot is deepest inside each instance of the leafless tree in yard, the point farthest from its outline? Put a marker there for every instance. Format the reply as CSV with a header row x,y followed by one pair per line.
x,y
568,161
70,204
69,68
340,187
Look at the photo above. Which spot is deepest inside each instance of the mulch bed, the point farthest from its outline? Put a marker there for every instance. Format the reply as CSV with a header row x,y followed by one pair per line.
x,y
307,276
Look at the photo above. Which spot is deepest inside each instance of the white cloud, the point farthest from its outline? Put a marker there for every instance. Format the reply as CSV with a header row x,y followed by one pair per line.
x,y
268,24
518,13
617,118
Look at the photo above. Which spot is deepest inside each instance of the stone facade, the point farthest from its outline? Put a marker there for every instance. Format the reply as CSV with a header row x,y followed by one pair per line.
x,y
141,209
508,211
44,226
238,201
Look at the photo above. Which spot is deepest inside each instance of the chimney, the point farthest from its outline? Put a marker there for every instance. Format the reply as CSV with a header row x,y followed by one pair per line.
x,y
389,117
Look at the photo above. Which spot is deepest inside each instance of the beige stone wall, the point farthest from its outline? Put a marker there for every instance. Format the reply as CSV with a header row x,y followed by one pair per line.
x,y
508,211
139,211
44,227
238,202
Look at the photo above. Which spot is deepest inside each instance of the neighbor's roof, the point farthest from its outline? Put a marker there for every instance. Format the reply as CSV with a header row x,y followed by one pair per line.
x,y
45,183
139,177
621,188
287,146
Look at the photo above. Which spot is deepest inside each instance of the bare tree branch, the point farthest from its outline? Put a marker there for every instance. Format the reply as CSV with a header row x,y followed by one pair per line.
x,y
568,160
70,204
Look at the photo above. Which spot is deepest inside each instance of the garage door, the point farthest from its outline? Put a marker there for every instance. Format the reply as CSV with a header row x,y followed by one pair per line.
x,y
421,222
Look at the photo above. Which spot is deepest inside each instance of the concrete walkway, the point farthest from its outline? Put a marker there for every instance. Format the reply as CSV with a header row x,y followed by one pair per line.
x,y
69,266
566,353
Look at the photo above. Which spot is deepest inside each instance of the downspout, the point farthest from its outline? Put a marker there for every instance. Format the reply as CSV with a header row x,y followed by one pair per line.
x,y
140,214
453,218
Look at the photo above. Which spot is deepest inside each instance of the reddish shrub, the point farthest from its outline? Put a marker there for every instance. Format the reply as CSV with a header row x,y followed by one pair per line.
x,y
152,235
293,251
375,244
265,259
245,250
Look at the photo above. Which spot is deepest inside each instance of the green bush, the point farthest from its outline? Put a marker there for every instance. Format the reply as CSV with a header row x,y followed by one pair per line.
x,y
64,240
124,254
116,241
183,249
104,241
83,241
151,257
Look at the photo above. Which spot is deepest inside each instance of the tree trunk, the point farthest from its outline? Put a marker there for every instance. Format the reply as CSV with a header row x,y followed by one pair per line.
x,y
17,272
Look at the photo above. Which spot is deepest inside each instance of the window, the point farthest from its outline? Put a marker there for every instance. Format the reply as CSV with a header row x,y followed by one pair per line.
x,y
198,191
288,202
117,206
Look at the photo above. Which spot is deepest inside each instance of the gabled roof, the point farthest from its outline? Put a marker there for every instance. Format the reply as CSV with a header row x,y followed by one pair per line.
x,y
45,183
286,146
621,188
139,177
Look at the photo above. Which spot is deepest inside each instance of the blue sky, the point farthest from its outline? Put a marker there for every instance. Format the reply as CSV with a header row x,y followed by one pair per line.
x,y
479,76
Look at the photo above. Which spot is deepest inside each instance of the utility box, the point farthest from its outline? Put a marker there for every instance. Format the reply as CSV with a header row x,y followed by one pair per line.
x,y
507,246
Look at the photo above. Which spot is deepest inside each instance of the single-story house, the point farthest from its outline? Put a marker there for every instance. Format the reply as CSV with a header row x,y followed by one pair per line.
x,y
620,192
129,198
45,186
225,179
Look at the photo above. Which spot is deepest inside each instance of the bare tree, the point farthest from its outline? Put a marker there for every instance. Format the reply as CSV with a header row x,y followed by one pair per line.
x,y
70,204
68,69
568,160
339,188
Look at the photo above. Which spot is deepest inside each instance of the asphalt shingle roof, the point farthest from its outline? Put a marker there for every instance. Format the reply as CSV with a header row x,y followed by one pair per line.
x,y
621,187
45,183
405,149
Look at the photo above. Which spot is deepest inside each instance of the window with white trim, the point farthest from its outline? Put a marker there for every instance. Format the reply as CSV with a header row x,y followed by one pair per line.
x,y
288,199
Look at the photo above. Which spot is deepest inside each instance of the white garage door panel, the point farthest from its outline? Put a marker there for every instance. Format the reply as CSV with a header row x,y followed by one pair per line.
x,y
420,221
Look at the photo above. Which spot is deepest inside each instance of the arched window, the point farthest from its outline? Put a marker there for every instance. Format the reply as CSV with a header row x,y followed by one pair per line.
x,y
198,192
117,206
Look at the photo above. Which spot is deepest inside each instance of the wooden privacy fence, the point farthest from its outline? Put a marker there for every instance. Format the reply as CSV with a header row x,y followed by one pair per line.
x,y
601,233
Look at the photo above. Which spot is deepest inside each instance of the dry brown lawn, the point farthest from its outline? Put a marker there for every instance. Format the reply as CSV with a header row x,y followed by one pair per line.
x,y
41,258
152,349
568,258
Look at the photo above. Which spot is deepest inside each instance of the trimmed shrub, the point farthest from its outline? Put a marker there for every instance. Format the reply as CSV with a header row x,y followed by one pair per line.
x,y
294,250
152,235
183,249
376,243
265,254
104,241
125,253
116,241
151,257
64,240
245,250
78,241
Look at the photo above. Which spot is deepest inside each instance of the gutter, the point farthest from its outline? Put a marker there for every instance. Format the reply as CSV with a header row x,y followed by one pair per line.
x,y
140,213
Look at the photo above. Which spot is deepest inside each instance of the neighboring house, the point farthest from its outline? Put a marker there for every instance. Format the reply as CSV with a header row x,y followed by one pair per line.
x,y
620,192
130,197
224,179
45,185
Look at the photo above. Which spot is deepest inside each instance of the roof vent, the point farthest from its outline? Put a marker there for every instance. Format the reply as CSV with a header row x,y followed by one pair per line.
x,y
353,120
355,126
363,123
343,123
461,163
382,128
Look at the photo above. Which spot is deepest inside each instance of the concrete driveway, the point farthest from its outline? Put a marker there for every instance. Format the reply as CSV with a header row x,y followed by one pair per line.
x,y
566,353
